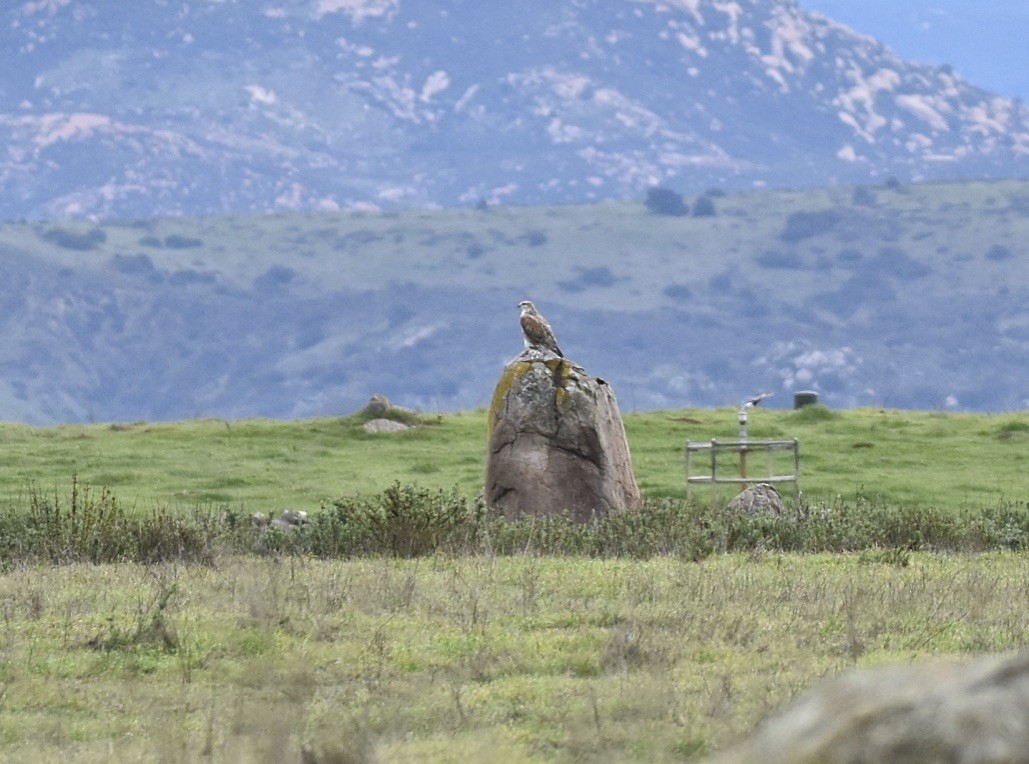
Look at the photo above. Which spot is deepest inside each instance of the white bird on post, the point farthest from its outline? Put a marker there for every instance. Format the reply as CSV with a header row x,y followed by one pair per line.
x,y
743,430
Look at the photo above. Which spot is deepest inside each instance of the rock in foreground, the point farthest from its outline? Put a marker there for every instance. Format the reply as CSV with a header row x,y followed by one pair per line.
x,y
973,711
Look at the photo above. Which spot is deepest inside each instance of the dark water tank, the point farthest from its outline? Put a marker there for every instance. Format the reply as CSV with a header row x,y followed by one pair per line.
x,y
803,398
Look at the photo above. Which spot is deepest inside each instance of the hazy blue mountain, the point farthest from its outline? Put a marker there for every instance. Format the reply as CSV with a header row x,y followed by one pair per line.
x,y
147,108
140,137
910,296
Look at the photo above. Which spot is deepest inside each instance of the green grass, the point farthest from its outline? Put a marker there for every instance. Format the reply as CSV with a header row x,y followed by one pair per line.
x,y
474,658
901,458
259,465
635,639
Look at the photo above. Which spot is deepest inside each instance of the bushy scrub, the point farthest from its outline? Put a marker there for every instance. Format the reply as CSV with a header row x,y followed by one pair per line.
x,y
93,526
409,521
402,521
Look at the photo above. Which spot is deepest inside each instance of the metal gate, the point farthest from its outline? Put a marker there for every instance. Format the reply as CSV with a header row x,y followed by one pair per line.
x,y
744,448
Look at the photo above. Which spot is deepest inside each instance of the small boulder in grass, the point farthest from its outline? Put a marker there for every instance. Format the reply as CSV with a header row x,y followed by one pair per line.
x,y
383,416
385,425
759,499
290,519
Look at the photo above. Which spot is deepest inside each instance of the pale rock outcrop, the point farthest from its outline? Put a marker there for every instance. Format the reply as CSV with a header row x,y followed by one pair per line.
x,y
384,425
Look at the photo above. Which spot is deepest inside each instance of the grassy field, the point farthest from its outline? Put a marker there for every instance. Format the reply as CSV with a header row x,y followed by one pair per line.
x,y
290,657
903,458
505,659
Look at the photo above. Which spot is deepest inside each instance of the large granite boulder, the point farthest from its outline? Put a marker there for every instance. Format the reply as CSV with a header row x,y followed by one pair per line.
x,y
971,711
556,442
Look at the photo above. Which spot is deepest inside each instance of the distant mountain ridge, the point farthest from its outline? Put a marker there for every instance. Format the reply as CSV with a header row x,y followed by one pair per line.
x,y
139,110
905,296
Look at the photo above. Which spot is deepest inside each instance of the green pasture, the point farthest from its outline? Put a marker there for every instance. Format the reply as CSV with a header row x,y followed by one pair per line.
x,y
272,651
500,659
903,458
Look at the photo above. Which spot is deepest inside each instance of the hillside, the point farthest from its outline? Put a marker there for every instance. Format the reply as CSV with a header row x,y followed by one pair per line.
x,y
900,296
145,109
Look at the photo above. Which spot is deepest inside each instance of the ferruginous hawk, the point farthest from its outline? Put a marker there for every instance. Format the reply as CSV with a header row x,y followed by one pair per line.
x,y
536,330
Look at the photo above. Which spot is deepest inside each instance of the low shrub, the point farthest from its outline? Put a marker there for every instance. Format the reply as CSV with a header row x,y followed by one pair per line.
x,y
178,241
998,252
82,241
704,207
94,527
588,278
403,521
665,201
773,258
804,225
813,412
410,521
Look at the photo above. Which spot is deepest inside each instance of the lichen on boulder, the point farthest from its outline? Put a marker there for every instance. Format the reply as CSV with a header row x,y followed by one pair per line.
x,y
759,499
556,443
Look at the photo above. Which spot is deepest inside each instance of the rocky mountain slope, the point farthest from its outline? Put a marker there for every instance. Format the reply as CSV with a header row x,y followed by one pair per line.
x,y
141,109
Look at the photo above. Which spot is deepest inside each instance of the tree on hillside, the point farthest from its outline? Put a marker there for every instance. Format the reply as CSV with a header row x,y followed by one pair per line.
x,y
704,207
664,201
